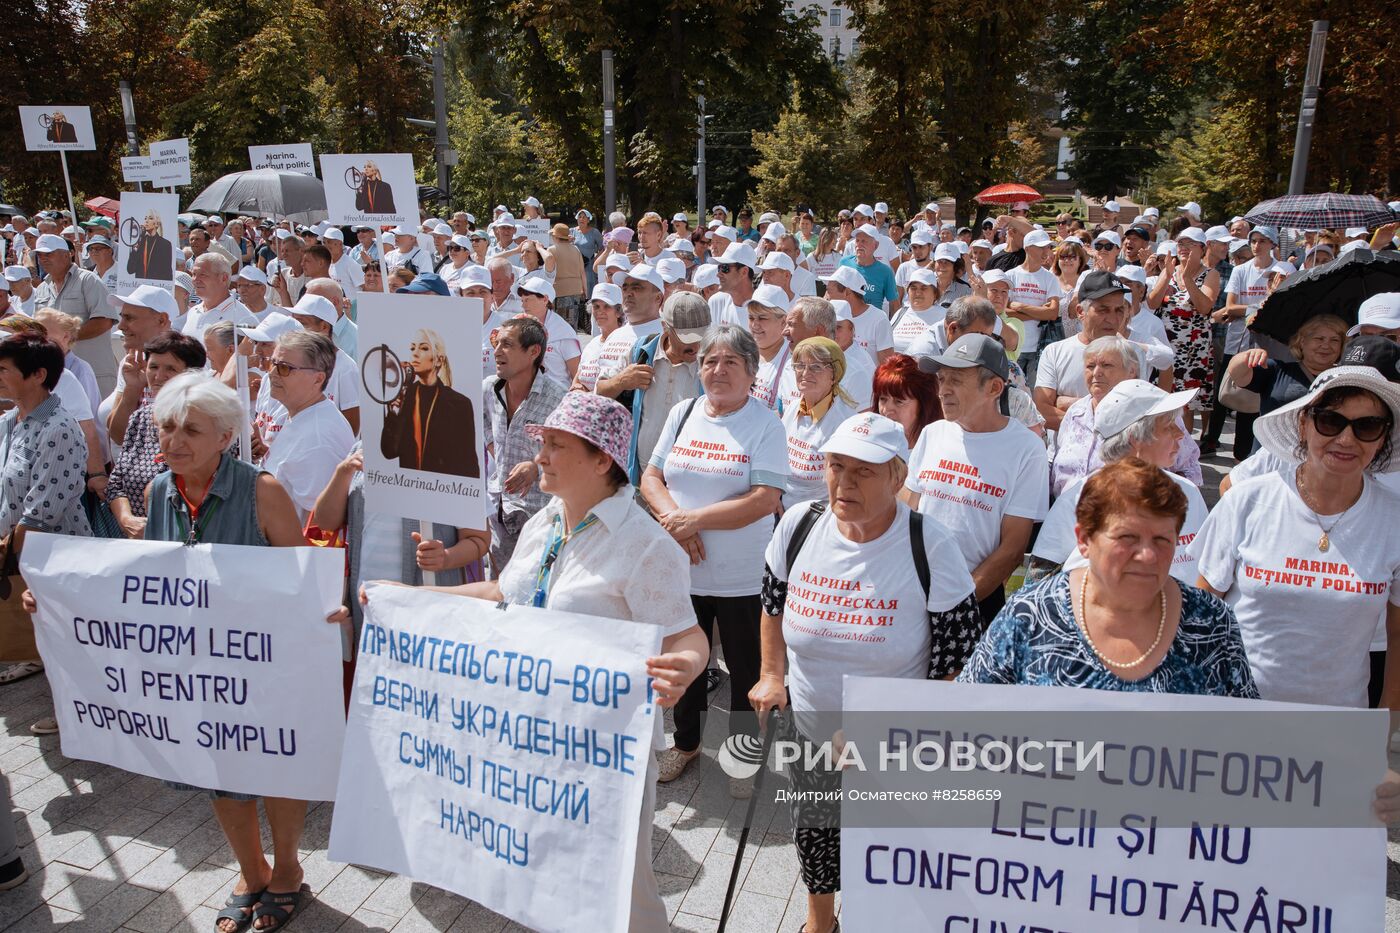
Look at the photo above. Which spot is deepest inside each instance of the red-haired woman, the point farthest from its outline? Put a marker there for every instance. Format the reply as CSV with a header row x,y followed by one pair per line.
x,y
1123,622
907,395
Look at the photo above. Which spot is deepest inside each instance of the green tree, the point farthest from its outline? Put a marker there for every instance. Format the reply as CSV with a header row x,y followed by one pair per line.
x,y
370,82
1119,98
806,159
495,162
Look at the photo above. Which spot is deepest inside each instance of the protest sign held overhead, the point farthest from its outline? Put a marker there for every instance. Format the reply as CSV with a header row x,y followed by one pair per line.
x,y
1105,811
293,157
170,162
377,188
57,128
506,762
147,238
137,169
211,665
420,368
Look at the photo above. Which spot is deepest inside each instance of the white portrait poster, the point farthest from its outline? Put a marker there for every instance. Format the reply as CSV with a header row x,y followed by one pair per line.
x,y
373,188
421,409
57,128
148,240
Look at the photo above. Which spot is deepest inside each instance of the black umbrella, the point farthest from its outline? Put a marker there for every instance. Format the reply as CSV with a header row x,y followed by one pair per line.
x,y
1337,287
9,210
264,192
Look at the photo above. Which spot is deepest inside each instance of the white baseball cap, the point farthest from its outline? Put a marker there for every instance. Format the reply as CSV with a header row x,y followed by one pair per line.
x,y
980,244
282,233
617,261
505,220
865,209
17,274
317,307
933,206
740,254
923,276
705,276
1111,206
1152,212
843,310
1350,245
726,231
713,224
1021,206
474,277
881,207
462,240
777,260
531,201
537,285
1037,238
1219,234
1194,234
441,229
994,277
183,280
1166,248
869,437
775,231
1109,236
921,237
51,243
1132,400
144,296
670,270
251,273
273,326
683,245
869,230
607,293
1237,244
771,296
387,239
947,251
1284,266
1381,310
648,274
768,217
847,277
1192,208
1129,273
333,233
1350,231
680,218
404,230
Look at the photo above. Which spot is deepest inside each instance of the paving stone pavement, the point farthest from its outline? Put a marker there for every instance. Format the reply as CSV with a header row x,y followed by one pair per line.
x,y
110,850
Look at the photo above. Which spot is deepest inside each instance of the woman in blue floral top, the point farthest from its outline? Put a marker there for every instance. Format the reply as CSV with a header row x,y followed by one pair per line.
x,y
1121,623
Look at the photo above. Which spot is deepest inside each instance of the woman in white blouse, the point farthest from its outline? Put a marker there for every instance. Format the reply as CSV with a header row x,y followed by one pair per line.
x,y
593,551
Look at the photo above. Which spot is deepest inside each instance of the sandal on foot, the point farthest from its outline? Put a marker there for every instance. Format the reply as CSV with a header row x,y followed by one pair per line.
x,y
280,907
240,908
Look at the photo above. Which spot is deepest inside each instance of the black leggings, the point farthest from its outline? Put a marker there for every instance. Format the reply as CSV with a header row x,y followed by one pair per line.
x,y
738,621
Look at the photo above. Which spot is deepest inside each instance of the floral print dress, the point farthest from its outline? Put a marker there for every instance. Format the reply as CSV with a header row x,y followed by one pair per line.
x,y
1190,335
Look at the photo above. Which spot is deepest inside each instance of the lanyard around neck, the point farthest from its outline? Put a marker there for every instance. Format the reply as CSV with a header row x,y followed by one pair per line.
x,y
551,554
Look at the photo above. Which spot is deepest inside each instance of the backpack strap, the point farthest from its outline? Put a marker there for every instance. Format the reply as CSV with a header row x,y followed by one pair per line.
x,y
803,529
916,547
686,417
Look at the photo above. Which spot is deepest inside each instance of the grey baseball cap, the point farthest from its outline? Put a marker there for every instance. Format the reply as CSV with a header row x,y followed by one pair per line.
x,y
968,351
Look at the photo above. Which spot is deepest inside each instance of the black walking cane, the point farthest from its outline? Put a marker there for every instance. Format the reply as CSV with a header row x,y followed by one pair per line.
x,y
768,735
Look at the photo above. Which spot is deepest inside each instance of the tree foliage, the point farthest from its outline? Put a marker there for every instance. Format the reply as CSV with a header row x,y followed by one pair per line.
x,y
808,159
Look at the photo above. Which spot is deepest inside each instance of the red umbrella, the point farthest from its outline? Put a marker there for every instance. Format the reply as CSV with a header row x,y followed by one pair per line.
x,y
107,207
1009,194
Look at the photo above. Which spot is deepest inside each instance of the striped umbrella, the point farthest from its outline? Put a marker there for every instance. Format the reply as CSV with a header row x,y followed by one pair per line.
x,y
1329,211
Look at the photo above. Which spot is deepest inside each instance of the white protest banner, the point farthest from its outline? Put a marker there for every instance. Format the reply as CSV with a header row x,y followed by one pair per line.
x,y
146,240
374,188
1056,852
536,229
170,162
57,128
294,157
137,168
210,665
420,417
500,754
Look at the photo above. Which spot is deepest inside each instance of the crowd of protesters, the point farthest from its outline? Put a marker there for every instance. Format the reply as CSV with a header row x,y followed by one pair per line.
x,y
997,429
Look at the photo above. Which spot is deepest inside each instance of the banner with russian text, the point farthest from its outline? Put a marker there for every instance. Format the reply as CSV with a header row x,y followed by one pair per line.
x,y
210,665
990,808
500,753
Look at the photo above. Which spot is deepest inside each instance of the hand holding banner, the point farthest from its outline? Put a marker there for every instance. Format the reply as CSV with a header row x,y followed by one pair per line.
x,y
500,754
170,660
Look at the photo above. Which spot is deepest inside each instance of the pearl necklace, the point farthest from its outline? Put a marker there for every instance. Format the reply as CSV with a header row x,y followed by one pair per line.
x,y
1084,627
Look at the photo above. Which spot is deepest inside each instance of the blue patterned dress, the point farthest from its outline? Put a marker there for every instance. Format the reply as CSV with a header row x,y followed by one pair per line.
x,y
1036,640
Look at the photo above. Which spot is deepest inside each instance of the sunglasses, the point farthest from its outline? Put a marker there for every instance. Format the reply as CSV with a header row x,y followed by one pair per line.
x,y
727,267
801,369
1104,247
1368,429
456,249
286,369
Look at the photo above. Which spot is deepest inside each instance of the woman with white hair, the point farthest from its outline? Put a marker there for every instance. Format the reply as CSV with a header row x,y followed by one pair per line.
x,y
1134,420
1107,362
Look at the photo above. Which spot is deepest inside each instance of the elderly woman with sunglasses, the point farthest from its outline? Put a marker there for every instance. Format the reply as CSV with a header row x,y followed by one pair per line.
x,y
1309,557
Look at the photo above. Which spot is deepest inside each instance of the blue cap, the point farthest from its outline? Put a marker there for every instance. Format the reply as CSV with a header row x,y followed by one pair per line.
x,y
1266,231
429,283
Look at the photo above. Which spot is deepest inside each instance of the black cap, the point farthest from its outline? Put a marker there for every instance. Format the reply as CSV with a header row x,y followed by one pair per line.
x,y
1380,353
1097,284
1139,231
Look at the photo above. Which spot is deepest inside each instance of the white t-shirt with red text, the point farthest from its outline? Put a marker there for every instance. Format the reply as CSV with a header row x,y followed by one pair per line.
x,y
806,462
1307,616
909,325
970,482
872,333
712,459
1250,286
1032,288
